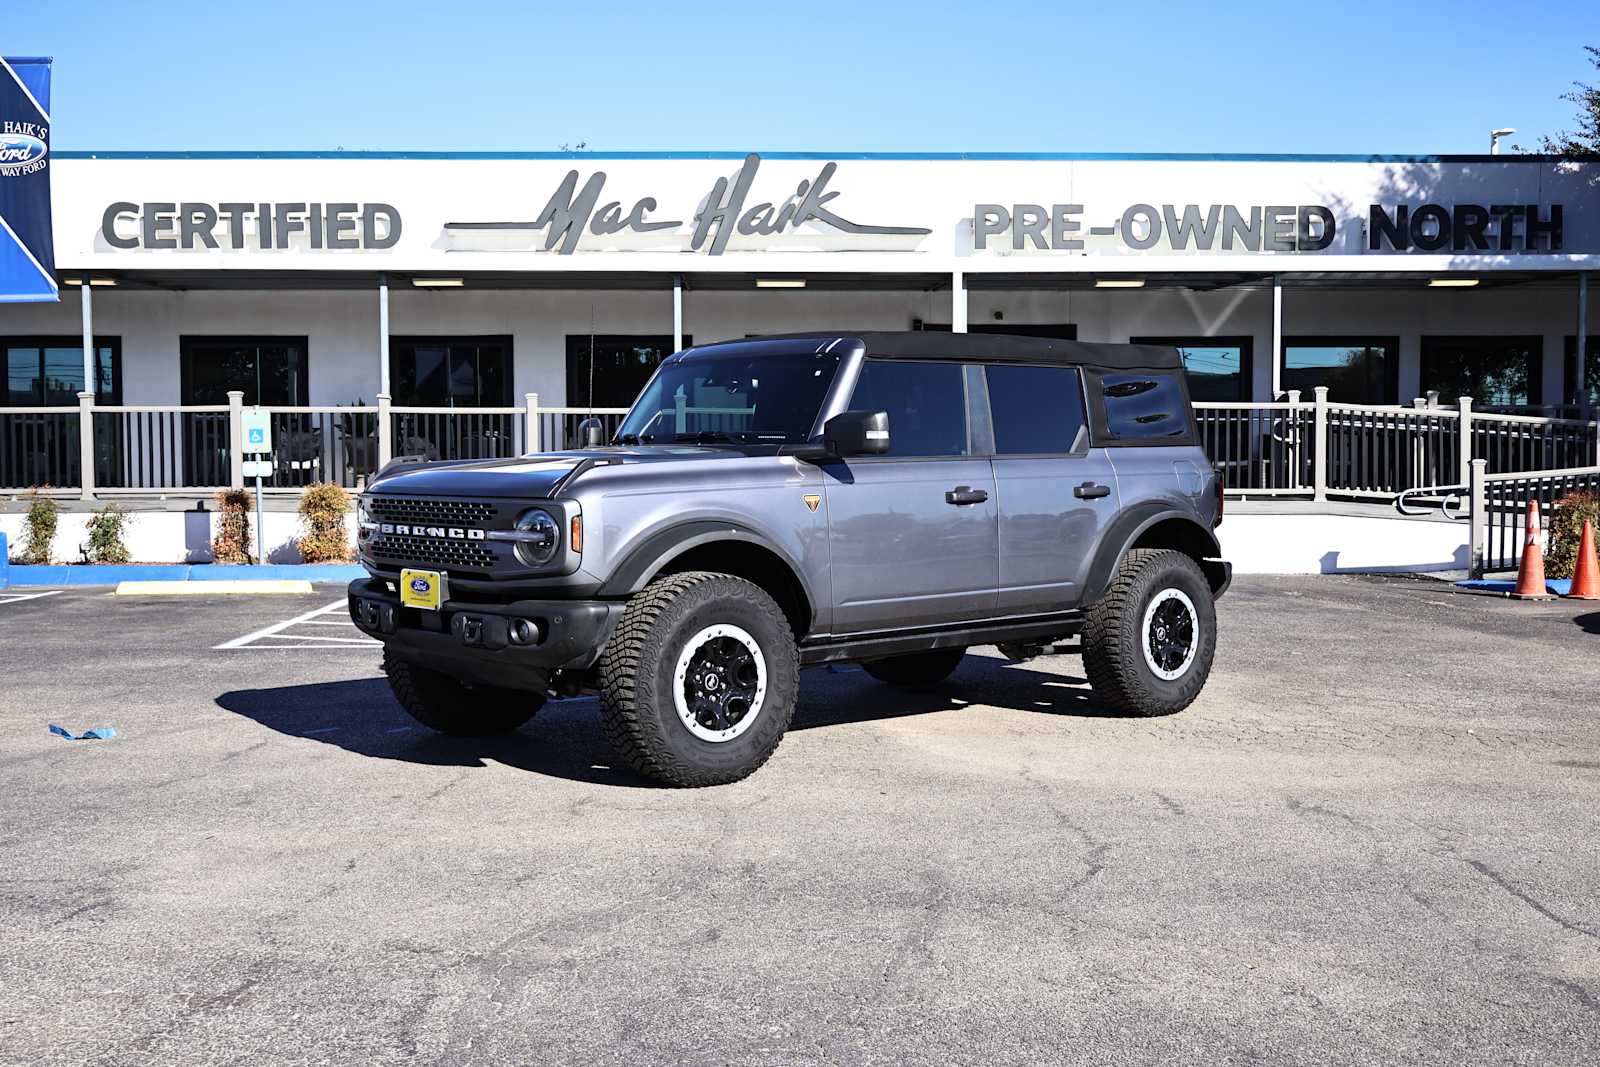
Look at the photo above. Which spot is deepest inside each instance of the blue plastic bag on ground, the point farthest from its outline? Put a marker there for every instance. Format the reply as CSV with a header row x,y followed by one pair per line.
x,y
99,733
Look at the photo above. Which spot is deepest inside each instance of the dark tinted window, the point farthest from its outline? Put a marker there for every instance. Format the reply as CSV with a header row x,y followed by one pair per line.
x,y
1144,405
926,402
1356,370
1035,409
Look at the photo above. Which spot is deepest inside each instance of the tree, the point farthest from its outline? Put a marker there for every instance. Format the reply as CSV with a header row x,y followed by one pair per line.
x,y
1585,140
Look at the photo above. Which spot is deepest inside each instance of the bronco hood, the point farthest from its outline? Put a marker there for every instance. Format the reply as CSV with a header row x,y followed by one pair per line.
x,y
524,476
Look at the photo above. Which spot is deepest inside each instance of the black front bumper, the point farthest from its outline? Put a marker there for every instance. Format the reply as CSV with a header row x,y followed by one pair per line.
x,y
474,642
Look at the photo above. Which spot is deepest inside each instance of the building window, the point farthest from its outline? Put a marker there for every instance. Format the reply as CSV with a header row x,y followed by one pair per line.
x,y
609,370
1218,367
926,403
1059,331
1591,370
450,372
1356,370
1498,373
48,371
1034,410
267,370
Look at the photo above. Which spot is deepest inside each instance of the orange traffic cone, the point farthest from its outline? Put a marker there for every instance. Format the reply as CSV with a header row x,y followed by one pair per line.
x,y
1586,571
1530,577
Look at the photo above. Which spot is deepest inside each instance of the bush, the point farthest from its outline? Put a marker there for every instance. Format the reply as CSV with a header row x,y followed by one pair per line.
x,y
105,535
1566,529
232,543
43,516
323,507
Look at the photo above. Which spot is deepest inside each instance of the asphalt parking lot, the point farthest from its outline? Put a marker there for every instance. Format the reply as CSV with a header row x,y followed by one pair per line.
x,y
1372,840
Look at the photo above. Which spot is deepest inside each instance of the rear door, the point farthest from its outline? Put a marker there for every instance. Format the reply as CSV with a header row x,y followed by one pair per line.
x,y
1057,495
914,534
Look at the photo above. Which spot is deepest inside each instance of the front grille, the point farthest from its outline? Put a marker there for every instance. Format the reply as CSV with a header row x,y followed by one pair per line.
x,y
437,511
440,553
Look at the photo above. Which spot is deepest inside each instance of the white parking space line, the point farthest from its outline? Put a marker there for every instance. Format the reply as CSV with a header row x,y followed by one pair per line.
x,y
294,633
14,598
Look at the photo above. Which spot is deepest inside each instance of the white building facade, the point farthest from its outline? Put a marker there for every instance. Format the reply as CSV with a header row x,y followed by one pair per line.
x,y
471,280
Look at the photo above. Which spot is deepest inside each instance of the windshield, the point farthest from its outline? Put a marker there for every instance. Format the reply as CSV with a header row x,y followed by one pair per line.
x,y
740,396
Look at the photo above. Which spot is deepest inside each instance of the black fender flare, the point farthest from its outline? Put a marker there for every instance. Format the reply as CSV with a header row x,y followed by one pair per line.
x,y
1129,526
646,559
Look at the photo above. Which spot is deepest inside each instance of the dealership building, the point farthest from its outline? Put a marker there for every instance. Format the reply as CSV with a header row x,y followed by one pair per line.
x,y
468,280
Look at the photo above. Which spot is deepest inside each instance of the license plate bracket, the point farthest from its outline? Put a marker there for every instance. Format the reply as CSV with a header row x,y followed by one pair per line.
x,y
427,590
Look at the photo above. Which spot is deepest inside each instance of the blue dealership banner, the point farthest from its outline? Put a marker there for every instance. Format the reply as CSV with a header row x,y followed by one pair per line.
x,y
27,246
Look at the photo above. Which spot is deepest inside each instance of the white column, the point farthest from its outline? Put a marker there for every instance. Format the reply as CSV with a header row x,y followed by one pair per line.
x,y
88,335
383,334
958,302
677,313
1277,338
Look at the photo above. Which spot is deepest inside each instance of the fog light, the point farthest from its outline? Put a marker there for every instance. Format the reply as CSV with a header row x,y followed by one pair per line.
x,y
524,632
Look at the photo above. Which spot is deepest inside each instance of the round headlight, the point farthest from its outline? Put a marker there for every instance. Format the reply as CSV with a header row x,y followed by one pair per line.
x,y
363,515
539,535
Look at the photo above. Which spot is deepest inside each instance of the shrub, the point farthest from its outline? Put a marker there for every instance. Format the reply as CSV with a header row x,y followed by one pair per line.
x,y
323,507
1566,529
232,543
43,516
105,535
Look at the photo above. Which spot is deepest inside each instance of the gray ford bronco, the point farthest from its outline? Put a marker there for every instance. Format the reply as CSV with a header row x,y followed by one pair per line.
x,y
888,499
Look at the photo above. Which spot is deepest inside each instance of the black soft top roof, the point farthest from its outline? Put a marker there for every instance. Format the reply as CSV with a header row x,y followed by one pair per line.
x,y
985,347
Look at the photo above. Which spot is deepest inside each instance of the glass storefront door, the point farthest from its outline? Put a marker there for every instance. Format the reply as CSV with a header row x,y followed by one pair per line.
x,y
270,371
1498,373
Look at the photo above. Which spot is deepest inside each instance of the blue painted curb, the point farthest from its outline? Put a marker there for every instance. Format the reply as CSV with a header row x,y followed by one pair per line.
x,y
5,562
107,574
1554,586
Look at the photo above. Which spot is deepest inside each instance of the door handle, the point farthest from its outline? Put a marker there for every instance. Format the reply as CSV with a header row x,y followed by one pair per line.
x,y
964,494
1091,491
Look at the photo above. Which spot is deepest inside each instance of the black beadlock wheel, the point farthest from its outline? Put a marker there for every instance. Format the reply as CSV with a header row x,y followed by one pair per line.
x,y
1148,643
916,668
699,681
441,703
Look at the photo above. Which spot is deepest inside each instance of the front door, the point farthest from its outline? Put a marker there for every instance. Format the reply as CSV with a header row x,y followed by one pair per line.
x,y
1057,496
913,534
267,370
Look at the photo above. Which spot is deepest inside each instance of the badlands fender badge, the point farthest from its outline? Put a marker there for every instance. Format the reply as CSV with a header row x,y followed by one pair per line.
x,y
812,500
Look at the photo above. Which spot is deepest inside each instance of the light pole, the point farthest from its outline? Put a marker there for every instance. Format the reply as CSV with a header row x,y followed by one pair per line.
x,y
1494,139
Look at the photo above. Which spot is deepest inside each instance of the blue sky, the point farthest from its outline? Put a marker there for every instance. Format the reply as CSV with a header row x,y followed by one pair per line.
x,y
995,76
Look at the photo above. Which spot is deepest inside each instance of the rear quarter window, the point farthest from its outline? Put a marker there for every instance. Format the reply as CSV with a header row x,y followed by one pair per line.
x,y
1144,406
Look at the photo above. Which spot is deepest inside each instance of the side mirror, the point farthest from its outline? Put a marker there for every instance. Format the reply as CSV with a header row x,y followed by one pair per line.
x,y
592,432
857,433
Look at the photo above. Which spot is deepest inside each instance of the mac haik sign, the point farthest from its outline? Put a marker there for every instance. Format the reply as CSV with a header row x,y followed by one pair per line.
x,y
27,253
732,208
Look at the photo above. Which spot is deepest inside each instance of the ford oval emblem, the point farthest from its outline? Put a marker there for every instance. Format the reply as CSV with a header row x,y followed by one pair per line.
x,y
420,585
20,149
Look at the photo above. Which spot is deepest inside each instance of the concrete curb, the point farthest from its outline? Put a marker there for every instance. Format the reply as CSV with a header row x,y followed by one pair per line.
x,y
212,588
198,573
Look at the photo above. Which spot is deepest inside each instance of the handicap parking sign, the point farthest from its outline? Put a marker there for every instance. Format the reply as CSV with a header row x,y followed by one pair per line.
x,y
257,431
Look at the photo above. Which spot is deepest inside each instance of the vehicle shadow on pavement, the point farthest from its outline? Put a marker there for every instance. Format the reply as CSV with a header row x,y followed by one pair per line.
x,y
1590,622
565,739
979,680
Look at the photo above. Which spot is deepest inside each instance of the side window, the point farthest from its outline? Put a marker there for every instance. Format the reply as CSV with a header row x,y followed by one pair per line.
x,y
926,402
1034,409
1146,405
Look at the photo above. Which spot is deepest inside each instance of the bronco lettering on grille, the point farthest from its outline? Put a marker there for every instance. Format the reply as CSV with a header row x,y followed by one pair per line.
x,y
454,533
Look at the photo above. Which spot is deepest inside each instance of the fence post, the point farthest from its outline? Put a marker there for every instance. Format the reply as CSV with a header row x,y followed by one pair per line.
x,y
1477,519
1291,442
1464,445
385,432
236,438
1319,445
86,445
532,435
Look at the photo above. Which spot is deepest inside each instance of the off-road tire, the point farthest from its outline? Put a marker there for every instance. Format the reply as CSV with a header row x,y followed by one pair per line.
x,y
637,708
916,669
1113,649
441,703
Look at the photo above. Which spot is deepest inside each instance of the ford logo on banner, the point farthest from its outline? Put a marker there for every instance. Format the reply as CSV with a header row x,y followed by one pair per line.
x,y
27,247
18,149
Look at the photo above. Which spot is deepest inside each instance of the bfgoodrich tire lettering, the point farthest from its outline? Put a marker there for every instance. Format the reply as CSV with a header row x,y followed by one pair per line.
x,y
441,703
1125,642
640,675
